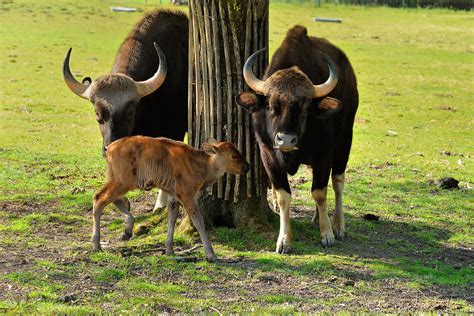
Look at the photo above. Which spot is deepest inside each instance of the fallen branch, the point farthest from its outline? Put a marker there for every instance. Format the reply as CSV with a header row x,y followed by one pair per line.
x,y
188,250
216,310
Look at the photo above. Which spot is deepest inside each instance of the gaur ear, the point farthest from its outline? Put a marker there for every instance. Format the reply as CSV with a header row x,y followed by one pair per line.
x,y
87,81
249,101
328,106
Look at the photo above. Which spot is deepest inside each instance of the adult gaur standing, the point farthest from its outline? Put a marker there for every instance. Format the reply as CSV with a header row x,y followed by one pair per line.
x,y
299,117
135,99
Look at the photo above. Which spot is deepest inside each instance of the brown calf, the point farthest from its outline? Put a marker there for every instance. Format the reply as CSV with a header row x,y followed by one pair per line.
x,y
141,162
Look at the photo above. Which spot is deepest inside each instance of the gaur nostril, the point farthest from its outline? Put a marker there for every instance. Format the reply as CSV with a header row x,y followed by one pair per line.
x,y
294,140
278,138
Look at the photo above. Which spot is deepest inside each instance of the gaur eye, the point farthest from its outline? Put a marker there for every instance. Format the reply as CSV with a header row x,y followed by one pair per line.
x,y
274,108
99,119
234,157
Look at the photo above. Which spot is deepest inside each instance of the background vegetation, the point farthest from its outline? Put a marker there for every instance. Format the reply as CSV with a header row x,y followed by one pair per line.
x,y
414,127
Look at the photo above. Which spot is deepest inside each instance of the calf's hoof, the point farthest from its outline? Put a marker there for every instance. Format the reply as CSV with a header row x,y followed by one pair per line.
x,y
211,258
327,239
169,252
126,236
283,246
96,248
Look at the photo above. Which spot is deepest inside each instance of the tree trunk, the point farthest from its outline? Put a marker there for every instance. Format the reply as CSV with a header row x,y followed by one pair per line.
x,y
223,33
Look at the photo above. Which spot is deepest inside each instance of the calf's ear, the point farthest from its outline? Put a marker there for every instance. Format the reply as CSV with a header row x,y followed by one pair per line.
x,y
328,106
249,101
210,148
211,141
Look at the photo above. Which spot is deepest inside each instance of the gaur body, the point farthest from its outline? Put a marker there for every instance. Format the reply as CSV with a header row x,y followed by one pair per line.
x,y
300,117
136,98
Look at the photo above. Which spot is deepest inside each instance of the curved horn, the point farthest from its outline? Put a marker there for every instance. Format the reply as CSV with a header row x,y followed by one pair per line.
x,y
324,89
75,86
149,86
253,82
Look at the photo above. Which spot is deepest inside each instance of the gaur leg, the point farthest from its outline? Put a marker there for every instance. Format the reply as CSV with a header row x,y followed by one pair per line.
x,y
338,223
321,170
282,193
340,158
173,210
161,200
123,205
198,222
109,192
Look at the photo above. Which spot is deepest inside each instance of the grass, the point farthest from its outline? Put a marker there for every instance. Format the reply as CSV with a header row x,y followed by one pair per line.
x,y
414,69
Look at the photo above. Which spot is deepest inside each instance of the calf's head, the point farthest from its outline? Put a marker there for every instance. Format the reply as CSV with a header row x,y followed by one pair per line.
x,y
227,156
115,97
287,97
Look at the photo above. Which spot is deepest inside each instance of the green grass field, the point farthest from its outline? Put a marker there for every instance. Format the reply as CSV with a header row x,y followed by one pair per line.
x,y
415,126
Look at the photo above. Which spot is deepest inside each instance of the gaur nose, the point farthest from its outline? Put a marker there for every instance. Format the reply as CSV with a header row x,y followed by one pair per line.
x,y
286,141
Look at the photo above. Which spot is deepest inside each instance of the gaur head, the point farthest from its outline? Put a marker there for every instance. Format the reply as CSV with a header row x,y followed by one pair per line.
x,y
287,97
229,156
115,97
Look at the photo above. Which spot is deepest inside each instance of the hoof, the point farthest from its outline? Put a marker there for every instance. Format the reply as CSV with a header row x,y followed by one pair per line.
x,y
97,249
283,246
339,234
327,239
126,236
211,258
169,252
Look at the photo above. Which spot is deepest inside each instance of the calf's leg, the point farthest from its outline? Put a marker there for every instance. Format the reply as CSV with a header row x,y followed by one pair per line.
x,y
173,211
109,192
198,222
123,205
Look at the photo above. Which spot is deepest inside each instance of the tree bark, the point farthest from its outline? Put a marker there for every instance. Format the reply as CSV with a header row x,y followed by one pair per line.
x,y
223,33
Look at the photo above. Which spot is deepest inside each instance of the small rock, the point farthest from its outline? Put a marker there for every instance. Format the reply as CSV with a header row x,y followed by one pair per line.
x,y
440,306
371,217
68,298
448,183
268,279
349,283
333,279
142,230
392,133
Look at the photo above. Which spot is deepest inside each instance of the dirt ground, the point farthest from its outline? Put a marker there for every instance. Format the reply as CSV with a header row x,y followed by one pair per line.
x,y
68,247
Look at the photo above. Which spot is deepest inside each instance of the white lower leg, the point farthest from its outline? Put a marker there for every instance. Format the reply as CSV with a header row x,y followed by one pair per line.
x,y
161,200
338,218
327,236
275,200
285,236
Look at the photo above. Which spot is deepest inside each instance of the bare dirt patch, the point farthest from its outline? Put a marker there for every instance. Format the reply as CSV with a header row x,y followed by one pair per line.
x,y
352,287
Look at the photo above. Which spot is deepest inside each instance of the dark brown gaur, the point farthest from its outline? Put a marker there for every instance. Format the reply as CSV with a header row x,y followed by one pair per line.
x,y
140,162
135,98
303,113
